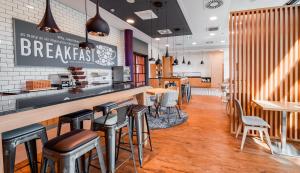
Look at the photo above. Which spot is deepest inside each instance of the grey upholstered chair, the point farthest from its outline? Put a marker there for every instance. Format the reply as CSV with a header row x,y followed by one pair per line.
x,y
251,123
149,101
170,100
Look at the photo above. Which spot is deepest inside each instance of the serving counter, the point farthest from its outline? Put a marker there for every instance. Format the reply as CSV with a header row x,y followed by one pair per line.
x,y
21,110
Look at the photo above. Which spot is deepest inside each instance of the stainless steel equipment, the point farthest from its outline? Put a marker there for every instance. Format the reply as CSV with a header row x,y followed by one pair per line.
x,y
121,74
61,80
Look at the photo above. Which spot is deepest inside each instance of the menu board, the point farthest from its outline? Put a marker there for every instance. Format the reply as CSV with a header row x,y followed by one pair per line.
x,y
37,48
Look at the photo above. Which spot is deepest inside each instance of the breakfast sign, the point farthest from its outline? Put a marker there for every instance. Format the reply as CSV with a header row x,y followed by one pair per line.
x,y
36,48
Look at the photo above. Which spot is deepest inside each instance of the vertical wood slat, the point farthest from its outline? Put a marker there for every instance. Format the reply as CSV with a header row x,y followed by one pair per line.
x,y
264,62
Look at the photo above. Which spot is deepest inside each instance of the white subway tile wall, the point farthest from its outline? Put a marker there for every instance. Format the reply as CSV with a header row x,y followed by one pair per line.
x,y
68,19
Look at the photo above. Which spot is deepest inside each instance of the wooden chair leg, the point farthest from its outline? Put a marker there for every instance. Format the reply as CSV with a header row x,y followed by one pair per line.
x,y
268,139
244,137
239,130
261,135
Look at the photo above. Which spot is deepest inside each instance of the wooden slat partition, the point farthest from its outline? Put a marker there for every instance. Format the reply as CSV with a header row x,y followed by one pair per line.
x,y
264,63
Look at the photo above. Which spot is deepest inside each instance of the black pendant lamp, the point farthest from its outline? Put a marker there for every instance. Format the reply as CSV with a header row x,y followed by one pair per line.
x,y
167,52
167,46
151,52
151,56
86,44
97,25
189,63
183,60
48,23
202,62
158,61
175,60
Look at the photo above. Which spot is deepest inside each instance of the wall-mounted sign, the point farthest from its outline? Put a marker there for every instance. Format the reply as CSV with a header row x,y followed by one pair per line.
x,y
37,48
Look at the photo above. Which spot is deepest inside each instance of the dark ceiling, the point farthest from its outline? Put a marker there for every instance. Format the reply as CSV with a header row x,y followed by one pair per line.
x,y
125,10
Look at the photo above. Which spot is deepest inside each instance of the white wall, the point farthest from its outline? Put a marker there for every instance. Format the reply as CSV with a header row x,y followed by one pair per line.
x,y
212,67
195,68
68,19
226,63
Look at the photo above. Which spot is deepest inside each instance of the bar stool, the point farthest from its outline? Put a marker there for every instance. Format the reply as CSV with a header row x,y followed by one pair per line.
x,y
69,147
110,123
138,113
186,92
27,135
75,119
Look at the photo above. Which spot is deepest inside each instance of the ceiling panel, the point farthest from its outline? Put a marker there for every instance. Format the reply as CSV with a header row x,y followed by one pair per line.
x,y
125,10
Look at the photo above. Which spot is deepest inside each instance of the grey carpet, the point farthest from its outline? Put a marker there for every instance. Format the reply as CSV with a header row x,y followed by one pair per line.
x,y
162,121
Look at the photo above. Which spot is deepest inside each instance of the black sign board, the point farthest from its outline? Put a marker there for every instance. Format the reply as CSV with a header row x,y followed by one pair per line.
x,y
36,48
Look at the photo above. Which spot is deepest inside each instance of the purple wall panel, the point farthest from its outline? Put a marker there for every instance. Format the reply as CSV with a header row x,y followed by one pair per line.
x,y
128,34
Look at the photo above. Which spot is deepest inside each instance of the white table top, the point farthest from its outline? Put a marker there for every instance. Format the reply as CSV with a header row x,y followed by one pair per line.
x,y
278,106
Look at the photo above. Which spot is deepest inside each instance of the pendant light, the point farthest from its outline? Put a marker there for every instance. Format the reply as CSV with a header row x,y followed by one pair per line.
x,y
158,61
86,45
48,23
175,60
97,25
167,47
183,60
189,61
202,62
151,52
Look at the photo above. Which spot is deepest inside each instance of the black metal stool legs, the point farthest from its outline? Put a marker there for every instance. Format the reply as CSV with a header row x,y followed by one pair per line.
x,y
9,152
148,132
32,155
130,133
110,142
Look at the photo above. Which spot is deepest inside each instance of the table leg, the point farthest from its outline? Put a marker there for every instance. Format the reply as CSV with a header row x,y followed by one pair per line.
x,y
139,131
283,147
1,155
110,142
283,131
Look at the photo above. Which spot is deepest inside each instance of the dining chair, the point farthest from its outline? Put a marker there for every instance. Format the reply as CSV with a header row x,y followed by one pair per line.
x,y
251,123
150,101
170,100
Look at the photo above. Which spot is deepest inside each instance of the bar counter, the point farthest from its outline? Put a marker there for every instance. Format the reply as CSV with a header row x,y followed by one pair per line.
x,y
21,110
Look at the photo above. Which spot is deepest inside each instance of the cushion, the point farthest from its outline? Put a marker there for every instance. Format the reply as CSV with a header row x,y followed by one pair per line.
x,y
70,141
78,114
255,121
21,131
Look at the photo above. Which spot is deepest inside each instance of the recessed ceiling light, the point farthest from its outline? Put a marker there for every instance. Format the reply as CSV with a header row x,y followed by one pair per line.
x,y
130,21
194,43
164,31
221,50
212,34
157,39
29,6
146,14
167,45
212,18
222,41
131,1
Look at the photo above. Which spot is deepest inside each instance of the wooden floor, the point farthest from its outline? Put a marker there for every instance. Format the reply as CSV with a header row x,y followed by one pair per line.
x,y
203,144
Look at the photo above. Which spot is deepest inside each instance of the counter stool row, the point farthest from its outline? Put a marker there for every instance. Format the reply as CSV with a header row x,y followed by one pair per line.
x,y
67,150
